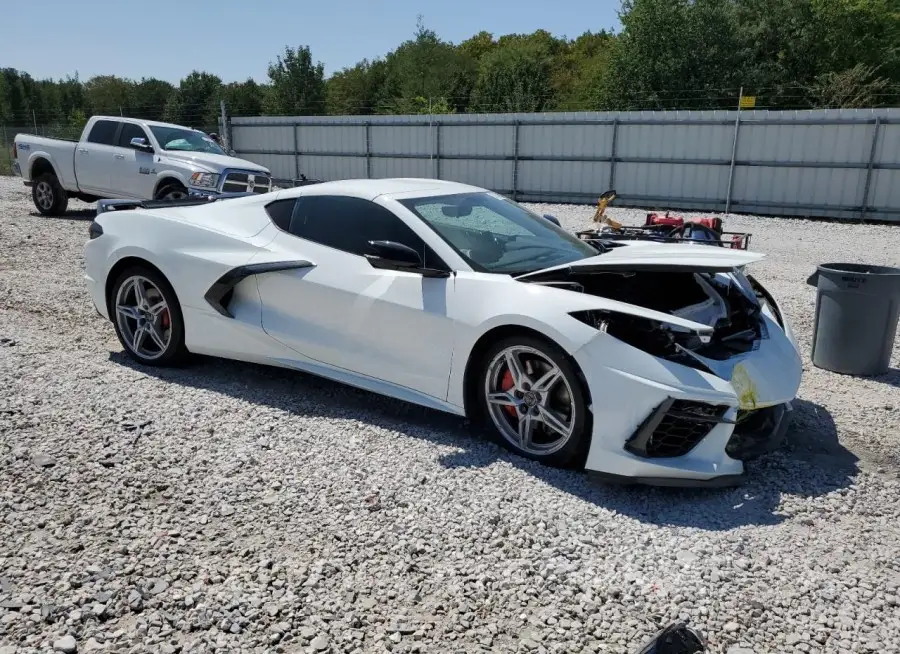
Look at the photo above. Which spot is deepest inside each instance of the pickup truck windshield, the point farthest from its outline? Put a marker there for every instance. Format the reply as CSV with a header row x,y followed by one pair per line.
x,y
186,140
496,235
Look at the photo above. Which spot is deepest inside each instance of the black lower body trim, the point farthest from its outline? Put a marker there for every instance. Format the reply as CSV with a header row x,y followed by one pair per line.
x,y
761,432
722,481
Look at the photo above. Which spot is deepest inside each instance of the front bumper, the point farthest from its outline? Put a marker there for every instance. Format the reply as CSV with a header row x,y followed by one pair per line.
x,y
746,405
761,432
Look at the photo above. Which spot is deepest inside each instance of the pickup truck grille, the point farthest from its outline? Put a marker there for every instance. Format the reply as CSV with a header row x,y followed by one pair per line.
x,y
246,182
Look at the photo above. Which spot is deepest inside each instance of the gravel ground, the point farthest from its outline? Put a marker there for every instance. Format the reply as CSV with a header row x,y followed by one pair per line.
x,y
234,508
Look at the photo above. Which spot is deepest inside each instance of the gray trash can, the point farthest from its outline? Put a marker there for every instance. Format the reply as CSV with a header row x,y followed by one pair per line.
x,y
857,306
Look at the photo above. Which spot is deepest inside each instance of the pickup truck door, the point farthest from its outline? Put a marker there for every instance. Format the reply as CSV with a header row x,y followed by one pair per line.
x,y
94,158
131,170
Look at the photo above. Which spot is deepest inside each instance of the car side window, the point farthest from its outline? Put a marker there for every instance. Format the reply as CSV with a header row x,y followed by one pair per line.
x,y
280,212
348,224
131,131
103,132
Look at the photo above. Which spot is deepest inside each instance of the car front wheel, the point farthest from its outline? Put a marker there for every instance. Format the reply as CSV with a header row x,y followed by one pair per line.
x,y
536,401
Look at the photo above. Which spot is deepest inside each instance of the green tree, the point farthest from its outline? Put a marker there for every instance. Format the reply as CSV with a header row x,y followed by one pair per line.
x,y
243,98
199,95
297,85
173,112
578,71
674,54
356,90
476,47
109,95
426,67
149,97
794,49
514,77
857,88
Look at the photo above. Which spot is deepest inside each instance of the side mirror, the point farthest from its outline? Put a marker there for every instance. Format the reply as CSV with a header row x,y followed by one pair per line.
x,y
390,255
552,219
141,144
393,255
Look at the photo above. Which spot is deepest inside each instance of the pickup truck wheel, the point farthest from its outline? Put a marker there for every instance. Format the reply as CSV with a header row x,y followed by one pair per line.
x,y
173,191
49,197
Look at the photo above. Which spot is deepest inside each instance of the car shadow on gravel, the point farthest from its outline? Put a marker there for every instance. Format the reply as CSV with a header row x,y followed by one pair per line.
x,y
71,214
813,462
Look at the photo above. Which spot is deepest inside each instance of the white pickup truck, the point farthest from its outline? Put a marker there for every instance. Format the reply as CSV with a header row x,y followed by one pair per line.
x,y
130,159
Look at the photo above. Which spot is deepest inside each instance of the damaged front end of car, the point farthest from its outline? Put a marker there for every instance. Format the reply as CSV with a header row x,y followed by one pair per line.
x,y
707,316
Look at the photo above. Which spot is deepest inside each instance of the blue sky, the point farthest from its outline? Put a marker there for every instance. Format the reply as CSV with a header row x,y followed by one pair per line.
x,y
236,39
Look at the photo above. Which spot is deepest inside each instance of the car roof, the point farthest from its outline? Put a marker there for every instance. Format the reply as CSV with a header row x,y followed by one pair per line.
x,y
370,189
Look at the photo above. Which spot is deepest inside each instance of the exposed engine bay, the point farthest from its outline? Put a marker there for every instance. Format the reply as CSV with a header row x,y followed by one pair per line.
x,y
726,302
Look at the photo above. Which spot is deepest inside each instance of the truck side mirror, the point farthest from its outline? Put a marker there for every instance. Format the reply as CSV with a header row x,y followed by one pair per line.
x,y
141,144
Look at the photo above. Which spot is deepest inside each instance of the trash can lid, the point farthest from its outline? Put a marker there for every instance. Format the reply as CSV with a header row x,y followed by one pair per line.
x,y
858,269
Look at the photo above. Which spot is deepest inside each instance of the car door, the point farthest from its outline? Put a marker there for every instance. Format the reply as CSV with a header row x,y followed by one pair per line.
x,y
94,158
133,170
385,324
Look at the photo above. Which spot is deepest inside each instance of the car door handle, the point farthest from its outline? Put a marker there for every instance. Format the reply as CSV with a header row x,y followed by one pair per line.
x,y
83,150
120,156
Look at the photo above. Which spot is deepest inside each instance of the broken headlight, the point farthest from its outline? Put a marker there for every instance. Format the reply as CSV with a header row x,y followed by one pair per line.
x,y
651,336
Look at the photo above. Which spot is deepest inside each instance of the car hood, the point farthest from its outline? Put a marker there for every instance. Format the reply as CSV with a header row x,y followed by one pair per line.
x,y
214,162
682,257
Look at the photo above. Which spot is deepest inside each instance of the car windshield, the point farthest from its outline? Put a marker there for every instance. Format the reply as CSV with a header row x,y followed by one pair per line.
x,y
186,140
497,235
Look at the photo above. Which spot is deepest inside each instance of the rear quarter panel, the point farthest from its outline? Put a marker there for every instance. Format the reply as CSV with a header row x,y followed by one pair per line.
x,y
60,155
191,256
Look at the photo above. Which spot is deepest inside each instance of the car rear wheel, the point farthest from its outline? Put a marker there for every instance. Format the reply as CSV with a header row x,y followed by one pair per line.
x,y
148,318
48,195
535,399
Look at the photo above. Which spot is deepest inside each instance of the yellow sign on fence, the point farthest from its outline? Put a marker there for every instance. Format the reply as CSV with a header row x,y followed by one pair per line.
x,y
748,101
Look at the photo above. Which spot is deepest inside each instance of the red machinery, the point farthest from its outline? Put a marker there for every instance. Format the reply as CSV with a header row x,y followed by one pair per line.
x,y
664,227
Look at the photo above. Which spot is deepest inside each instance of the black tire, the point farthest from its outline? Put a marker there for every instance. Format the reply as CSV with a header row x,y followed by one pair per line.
x,y
48,195
171,191
174,353
572,453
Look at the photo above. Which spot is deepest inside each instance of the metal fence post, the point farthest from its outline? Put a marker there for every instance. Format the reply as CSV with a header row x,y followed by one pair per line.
x,y
368,150
734,142
6,147
868,184
226,137
515,175
612,154
295,129
437,150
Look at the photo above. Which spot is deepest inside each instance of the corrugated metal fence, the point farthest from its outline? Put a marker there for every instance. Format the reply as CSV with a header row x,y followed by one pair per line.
x,y
831,163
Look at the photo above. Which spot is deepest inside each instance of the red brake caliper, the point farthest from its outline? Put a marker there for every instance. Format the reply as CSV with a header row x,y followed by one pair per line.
x,y
164,319
506,384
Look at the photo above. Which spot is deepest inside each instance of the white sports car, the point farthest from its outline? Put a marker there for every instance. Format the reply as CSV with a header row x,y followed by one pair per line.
x,y
640,361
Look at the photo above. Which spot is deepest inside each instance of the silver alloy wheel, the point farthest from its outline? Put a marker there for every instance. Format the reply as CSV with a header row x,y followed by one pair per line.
x,y
529,400
143,317
43,194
